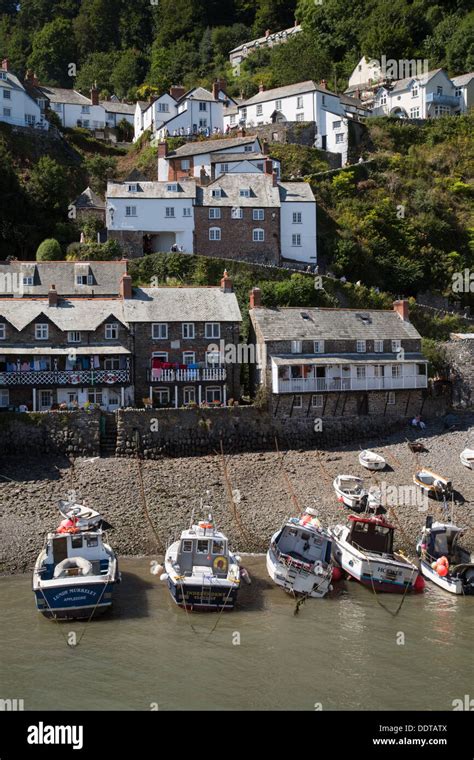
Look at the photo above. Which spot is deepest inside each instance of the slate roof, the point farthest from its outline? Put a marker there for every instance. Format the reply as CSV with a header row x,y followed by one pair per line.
x,y
283,92
106,275
117,107
275,37
186,189
402,84
82,314
210,146
331,324
296,191
63,95
262,192
88,199
242,156
462,79
181,305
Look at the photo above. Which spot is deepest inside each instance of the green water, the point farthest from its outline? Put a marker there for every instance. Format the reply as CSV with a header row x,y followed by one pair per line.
x,y
339,653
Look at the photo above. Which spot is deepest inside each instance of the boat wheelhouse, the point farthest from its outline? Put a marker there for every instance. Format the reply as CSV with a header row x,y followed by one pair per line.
x,y
76,571
364,549
202,573
442,560
299,556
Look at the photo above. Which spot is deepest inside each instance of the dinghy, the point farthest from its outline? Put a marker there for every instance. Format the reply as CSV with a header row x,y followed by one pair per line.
x,y
350,491
467,458
442,560
201,572
432,484
364,550
299,556
371,461
76,571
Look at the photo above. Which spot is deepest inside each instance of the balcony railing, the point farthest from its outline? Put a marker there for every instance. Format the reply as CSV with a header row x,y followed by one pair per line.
x,y
318,384
442,100
66,377
187,375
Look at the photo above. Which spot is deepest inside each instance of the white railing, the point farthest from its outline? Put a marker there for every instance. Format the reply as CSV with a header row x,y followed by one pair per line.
x,y
313,384
188,375
65,377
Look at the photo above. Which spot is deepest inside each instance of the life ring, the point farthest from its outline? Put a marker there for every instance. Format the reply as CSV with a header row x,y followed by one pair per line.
x,y
221,564
75,379
111,379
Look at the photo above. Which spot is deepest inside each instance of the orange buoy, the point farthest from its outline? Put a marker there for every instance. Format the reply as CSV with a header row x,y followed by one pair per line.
x,y
336,574
442,570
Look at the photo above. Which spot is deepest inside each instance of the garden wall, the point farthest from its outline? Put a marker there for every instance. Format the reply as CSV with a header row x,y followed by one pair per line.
x,y
74,433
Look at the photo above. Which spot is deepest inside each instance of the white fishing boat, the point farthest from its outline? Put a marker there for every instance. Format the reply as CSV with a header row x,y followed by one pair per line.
x,y
299,556
467,458
371,460
442,560
77,570
432,484
201,572
364,549
350,491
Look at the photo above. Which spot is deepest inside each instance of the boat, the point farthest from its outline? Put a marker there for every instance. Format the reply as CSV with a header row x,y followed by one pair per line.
x,y
201,572
442,560
467,458
76,571
432,484
350,491
371,461
364,550
299,556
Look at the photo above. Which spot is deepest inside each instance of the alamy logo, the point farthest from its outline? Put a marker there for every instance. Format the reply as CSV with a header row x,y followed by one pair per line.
x,y
41,734
11,705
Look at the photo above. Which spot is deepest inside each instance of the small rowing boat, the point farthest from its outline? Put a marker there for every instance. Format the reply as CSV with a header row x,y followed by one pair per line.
x,y
371,460
467,458
432,484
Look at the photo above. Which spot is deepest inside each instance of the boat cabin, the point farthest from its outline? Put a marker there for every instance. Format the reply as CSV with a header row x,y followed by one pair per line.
x,y
371,534
203,548
87,546
441,540
304,545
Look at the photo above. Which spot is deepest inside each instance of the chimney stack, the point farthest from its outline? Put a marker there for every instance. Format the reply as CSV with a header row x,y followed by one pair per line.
x,y
255,298
268,166
94,95
267,33
227,285
5,64
126,287
162,149
204,178
177,91
31,78
402,309
241,132
323,84
275,178
215,89
265,148
53,296
261,87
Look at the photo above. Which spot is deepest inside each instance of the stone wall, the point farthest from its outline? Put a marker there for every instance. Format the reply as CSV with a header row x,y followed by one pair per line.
x,y
188,432
237,235
41,433
460,353
131,242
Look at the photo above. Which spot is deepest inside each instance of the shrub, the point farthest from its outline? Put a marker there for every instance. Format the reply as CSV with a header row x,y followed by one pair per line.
x,y
49,250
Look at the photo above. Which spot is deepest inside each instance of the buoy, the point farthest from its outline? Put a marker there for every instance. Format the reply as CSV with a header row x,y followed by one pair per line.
x,y
419,584
443,561
337,574
442,570
434,565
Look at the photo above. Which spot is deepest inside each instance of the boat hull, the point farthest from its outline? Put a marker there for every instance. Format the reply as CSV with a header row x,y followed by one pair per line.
x,y
75,601
203,598
447,582
378,575
307,584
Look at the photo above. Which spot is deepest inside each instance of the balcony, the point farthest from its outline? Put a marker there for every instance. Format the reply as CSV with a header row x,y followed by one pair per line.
x,y
319,385
88,377
442,100
209,374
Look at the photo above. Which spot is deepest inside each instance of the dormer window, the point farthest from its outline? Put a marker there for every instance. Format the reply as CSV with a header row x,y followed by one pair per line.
x,y
244,192
216,193
172,188
414,91
3,75
133,188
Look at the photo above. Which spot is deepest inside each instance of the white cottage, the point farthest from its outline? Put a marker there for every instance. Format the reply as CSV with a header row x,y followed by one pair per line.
x,y
16,106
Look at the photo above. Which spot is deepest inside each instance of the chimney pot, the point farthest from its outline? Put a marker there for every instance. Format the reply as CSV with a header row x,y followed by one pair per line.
x,y
126,287
255,298
402,309
177,91
261,87
53,296
5,64
94,95
275,179
268,166
215,89
323,83
162,149
227,285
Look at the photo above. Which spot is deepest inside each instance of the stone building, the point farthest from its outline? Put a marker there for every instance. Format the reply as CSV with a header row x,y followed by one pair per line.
x,y
338,362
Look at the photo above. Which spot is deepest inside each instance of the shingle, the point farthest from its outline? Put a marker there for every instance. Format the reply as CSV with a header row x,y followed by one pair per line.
x,y
282,92
116,107
186,189
296,191
211,146
63,95
81,314
106,276
262,191
462,80
89,199
182,305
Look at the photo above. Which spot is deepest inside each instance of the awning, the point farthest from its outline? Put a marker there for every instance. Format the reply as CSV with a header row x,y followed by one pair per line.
x,y
64,351
347,360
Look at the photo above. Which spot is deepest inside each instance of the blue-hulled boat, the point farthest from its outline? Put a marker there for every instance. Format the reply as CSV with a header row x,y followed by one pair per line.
x,y
76,571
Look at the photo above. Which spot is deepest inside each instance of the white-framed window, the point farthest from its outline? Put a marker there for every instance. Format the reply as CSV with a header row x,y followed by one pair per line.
x,y
378,346
297,217
458,92
224,168
360,373
74,336
163,107
390,397
297,402
216,193
45,400
215,233
3,331
259,110
244,192
7,94
4,398
414,113
187,212
172,187
113,363
396,346
169,212
383,99
379,370
361,347
189,397
300,117
214,213
233,119
111,331
159,331
188,330
3,75
237,213
203,123
296,240
258,214
336,124
214,395
161,355
162,396
41,332
396,370
318,346
296,346
317,401
213,358
84,279
258,235
85,109
278,105
133,188
202,106
28,279
130,210
185,164
189,357
339,137
299,101
248,148
414,91
7,112
213,330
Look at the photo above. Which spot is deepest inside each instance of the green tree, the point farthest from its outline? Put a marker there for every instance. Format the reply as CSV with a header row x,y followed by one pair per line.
x,y
128,73
49,250
100,169
274,15
460,48
98,67
53,51
49,186
96,27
